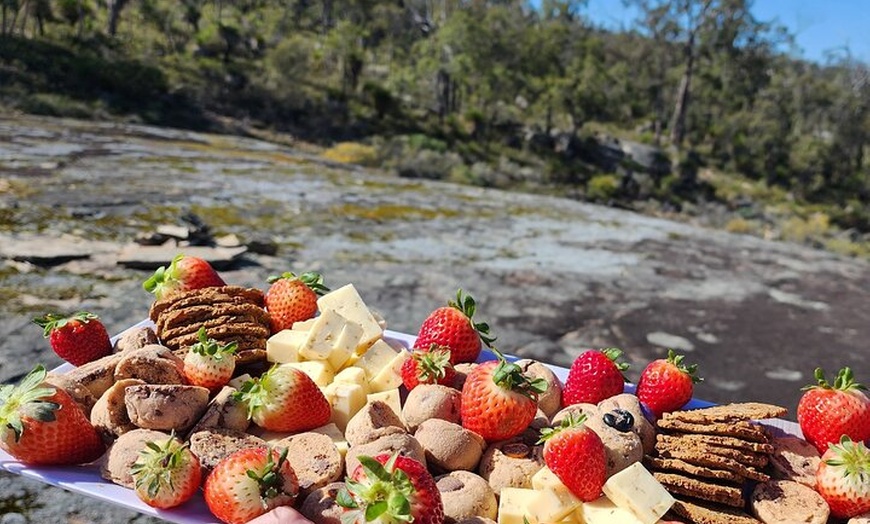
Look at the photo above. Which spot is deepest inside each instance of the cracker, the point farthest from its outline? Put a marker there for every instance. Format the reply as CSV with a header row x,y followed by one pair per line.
x,y
701,513
217,321
207,295
748,458
740,429
223,333
701,458
729,413
701,489
721,440
235,306
664,464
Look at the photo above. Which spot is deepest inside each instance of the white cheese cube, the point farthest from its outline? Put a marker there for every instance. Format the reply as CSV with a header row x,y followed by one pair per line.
x,y
345,345
283,346
238,382
603,511
322,336
513,506
554,504
390,376
379,356
319,371
332,431
348,400
304,325
352,375
636,490
545,479
347,302
389,397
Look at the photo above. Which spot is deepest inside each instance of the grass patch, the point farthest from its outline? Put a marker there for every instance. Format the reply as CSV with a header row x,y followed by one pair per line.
x,y
352,153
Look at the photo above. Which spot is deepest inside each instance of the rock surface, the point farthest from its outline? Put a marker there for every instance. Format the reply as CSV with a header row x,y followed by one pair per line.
x,y
552,276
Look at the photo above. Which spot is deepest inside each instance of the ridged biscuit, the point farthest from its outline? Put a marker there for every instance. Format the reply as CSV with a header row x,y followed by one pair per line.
x,y
740,429
208,295
701,513
721,440
701,458
701,489
728,413
747,458
174,319
663,464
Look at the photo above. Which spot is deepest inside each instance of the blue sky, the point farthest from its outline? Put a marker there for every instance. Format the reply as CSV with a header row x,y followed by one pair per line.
x,y
819,26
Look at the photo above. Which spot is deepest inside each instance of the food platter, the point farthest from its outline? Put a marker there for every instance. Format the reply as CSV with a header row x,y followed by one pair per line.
x,y
86,480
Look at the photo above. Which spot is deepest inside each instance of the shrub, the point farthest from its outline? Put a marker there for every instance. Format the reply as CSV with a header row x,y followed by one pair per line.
x,y
740,225
428,164
797,229
602,188
352,153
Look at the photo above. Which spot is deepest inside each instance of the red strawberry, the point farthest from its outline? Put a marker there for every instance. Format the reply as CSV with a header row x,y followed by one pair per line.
x,y
667,384
292,298
498,400
391,489
183,274
594,376
453,326
167,473
249,483
577,456
843,478
208,363
827,412
285,399
78,339
428,366
42,424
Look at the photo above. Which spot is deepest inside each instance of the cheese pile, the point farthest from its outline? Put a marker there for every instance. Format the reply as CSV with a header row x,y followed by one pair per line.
x,y
343,351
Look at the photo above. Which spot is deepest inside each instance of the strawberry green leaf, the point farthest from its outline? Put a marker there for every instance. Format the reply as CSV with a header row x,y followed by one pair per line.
x,y
613,354
344,499
374,469
375,510
691,370
572,421
467,305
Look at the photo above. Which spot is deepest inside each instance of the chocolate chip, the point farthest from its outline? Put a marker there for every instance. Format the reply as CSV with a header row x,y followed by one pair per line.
x,y
620,420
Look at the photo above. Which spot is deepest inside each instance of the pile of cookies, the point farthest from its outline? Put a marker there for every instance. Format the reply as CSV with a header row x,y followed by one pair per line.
x,y
228,314
709,458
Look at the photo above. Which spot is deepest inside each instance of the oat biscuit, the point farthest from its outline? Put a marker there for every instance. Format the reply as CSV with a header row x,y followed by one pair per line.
x,y
681,466
710,514
215,444
740,429
787,502
795,459
747,458
700,458
719,440
208,295
728,413
194,315
221,332
702,489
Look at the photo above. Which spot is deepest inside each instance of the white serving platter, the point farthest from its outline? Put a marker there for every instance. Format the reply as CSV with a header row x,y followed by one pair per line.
x,y
86,479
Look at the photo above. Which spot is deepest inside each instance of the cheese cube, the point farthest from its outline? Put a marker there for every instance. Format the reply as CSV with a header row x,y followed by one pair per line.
x,y
238,382
322,336
345,345
636,490
554,504
603,511
352,375
373,361
319,371
328,392
545,479
348,400
283,346
513,506
332,431
347,302
390,376
303,325
389,397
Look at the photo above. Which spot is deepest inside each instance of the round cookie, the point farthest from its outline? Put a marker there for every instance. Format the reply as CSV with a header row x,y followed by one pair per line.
x,y
449,446
623,446
788,502
315,460
320,505
860,519
431,401
391,443
465,495
795,459
215,444
511,463
551,399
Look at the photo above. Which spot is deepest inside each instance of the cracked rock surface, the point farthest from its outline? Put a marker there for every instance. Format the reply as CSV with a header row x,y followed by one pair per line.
x,y
551,275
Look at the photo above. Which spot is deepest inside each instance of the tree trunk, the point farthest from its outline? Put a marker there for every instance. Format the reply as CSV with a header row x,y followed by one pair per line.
x,y
4,20
442,93
326,16
81,20
678,122
115,7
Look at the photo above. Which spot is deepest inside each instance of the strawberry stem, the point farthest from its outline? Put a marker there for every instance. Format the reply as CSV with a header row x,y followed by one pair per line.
x,y
26,399
844,381
573,420
466,304
52,321
210,347
691,370
312,279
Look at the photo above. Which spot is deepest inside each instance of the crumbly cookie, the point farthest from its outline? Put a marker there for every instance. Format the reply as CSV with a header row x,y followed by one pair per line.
x,y
747,458
740,429
175,319
315,460
720,440
220,318
224,412
795,459
511,463
135,338
215,444
165,407
701,513
153,364
728,413
787,502
221,332
663,464
701,489
466,495
701,458
860,519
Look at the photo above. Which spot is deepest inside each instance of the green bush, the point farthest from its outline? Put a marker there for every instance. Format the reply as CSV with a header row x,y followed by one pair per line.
x,y
602,188
352,153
